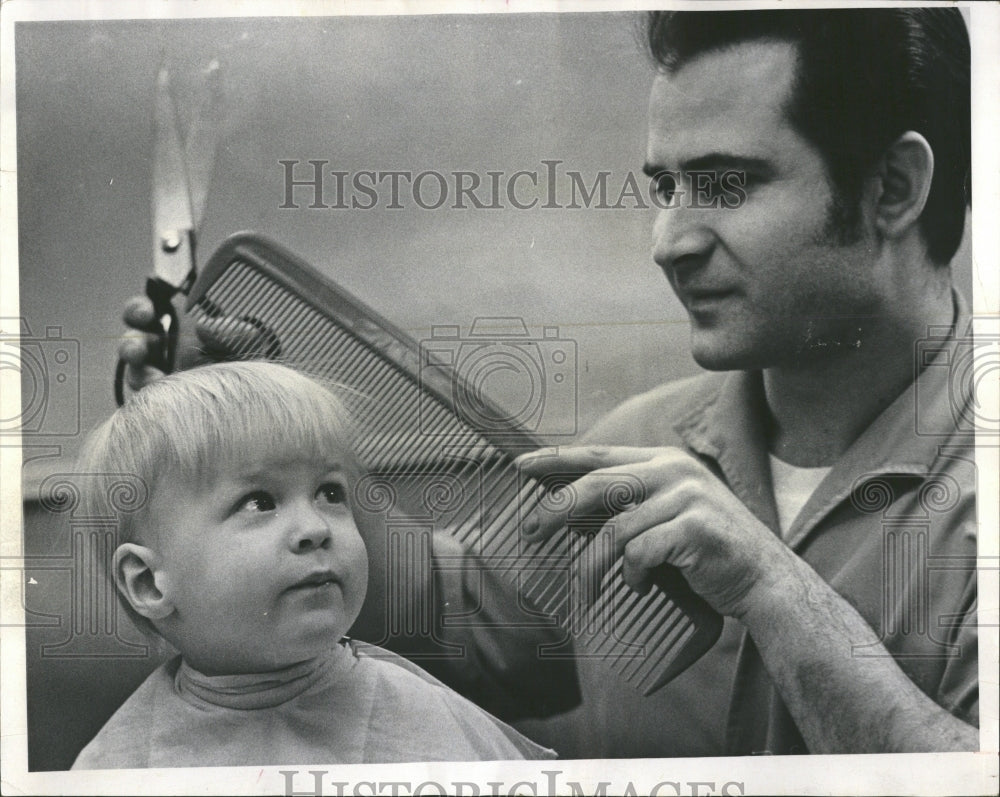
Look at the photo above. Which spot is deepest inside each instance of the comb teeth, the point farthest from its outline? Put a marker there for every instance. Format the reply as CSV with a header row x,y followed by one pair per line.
x,y
325,332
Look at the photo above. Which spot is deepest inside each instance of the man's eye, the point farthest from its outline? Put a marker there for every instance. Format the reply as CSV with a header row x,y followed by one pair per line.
x,y
666,186
258,501
705,186
332,493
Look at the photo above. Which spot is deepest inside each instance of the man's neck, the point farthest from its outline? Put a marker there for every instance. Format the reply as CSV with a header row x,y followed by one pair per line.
x,y
819,408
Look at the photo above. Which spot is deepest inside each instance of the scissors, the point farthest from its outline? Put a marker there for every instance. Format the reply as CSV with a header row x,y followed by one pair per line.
x,y
181,176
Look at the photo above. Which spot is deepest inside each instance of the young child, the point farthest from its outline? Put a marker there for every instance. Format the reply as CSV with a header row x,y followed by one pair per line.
x,y
248,559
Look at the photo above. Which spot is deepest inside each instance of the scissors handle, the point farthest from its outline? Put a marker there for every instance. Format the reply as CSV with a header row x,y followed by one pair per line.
x,y
166,327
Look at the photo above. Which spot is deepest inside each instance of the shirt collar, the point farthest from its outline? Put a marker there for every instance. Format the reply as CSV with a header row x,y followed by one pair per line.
x,y
730,430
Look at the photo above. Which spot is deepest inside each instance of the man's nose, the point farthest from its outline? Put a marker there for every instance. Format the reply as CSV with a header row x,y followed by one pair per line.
x,y
682,238
310,529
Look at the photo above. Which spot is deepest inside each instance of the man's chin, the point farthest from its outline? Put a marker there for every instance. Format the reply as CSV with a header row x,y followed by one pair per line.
x,y
718,355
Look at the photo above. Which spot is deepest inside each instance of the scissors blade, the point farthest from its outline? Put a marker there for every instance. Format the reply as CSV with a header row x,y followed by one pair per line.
x,y
173,223
203,139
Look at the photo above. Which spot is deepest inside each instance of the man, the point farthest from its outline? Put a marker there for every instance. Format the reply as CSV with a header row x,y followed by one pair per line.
x,y
850,129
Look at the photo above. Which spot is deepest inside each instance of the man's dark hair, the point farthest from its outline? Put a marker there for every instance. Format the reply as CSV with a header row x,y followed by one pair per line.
x,y
865,77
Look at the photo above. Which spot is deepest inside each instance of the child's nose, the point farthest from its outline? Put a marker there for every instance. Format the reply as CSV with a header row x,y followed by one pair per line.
x,y
310,531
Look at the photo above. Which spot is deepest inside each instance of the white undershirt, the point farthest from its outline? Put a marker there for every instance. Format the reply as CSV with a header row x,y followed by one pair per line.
x,y
792,488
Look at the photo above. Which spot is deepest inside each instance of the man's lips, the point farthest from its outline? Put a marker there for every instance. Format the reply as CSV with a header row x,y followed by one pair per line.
x,y
698,296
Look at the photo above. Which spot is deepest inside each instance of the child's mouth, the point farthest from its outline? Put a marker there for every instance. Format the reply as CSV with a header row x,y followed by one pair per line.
x,y
319,580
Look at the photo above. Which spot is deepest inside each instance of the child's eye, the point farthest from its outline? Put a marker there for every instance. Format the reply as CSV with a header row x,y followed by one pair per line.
x,y
332,493
258,501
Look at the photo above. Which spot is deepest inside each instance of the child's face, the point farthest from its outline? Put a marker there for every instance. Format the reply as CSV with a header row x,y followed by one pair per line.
x,y
264,566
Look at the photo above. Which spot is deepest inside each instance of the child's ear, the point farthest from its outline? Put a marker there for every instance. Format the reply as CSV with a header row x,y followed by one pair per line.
x,y
904,182
135,569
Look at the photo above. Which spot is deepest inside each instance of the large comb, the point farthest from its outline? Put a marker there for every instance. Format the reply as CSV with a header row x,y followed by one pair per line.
x,y
413,414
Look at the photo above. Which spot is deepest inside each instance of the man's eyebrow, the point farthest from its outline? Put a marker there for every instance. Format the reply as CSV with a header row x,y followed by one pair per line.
x,y
716,161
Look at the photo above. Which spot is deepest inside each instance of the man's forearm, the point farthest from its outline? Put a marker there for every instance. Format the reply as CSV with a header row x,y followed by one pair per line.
x,y
842,703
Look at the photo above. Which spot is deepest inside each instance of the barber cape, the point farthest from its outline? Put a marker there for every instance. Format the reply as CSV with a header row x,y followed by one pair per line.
x,y
357,704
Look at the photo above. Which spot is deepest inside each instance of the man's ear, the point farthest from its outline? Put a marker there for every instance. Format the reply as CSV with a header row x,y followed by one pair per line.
x,y
904,181
135,570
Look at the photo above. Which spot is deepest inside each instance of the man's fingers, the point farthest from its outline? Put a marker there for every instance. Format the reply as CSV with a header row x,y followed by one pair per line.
x,y
138,376
592,499
135,348
139,314
645,553
620,531
227,335
587,501
582,459
138,344
215,339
